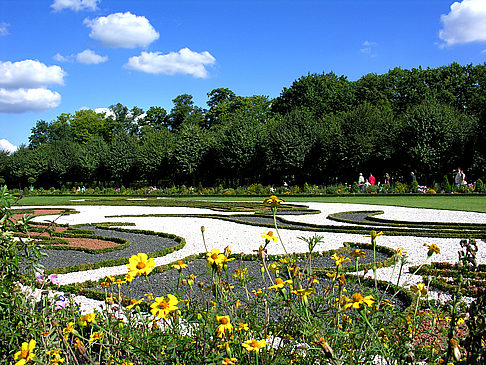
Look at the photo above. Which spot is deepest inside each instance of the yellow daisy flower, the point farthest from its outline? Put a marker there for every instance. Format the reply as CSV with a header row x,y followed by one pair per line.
x,y
225,327
179,266
357,301
26,353
433,248
279,284
214,258
419,289
357,253
87,318
253,345
269,236
162,308
140,264
273,200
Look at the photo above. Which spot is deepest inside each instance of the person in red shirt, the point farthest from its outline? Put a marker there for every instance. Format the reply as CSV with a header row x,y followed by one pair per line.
x,y
372,179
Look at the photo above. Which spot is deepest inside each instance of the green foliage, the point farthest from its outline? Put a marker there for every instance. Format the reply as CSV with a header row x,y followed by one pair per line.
x,y
15,325
322,129
446,186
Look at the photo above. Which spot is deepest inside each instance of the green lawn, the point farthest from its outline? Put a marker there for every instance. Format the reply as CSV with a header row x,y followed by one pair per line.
x,y
453,202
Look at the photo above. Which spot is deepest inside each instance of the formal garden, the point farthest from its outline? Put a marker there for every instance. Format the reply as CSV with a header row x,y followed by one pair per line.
x,y
342,222
182,280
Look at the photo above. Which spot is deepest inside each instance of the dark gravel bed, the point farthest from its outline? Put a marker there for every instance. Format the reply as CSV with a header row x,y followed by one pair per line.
x,y
267,221
166,282
358,217
138,243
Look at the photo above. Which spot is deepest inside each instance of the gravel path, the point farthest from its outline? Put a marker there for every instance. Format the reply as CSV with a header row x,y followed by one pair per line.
x,y
138,243
245,239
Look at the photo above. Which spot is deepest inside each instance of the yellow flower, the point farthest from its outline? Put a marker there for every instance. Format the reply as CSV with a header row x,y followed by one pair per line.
x,y
140,264
419,289
358,301
162,308
128,278
374,234
243,327
257,292
214,258
279,284
274,267
304,293
68,330
79,346
225,327
96,336
339,260
294,269
399,252
433,248
25,354
240,273
87,318
225,345
227,361
357,253
253,345
269,236
273,201
329,353
55,357
134,303
180,265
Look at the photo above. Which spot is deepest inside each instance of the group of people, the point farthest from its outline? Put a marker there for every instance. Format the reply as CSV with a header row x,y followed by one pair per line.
x,y
460,178
371,180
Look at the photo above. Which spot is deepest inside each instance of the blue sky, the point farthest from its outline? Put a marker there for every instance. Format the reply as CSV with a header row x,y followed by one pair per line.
x,y
59,56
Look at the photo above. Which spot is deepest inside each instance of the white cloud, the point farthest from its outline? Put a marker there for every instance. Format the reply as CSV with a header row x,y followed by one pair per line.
x,y
29,74
183,62
4,28
368,47
27,100
7,146
124,30
75,5
89,57
60,58
465,23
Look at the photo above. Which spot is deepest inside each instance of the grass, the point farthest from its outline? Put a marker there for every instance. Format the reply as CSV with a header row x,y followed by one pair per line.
x,y
468,203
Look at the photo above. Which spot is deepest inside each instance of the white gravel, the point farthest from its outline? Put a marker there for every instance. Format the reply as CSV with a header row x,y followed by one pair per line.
x,y
245,239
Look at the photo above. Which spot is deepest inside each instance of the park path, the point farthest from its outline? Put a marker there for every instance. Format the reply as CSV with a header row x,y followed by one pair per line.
x,y
243,238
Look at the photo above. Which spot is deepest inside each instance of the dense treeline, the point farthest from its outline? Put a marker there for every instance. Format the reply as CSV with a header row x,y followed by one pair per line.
x,y
322,129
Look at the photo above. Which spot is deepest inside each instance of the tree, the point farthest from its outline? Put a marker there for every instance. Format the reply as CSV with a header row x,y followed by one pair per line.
x,y
435,138
219,102
92,159
240,147
154,155
87,123
364,141
155,117
122,158
189,151
24,164
183,107
321,94
39,134
289,139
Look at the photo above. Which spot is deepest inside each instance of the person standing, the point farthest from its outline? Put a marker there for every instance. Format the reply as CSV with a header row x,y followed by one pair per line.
x,y
387,179
361,179
372,179
460,178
